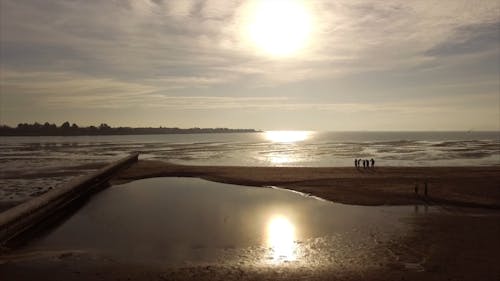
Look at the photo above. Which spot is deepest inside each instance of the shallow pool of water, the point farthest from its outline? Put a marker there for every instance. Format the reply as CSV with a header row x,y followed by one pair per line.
x,y
183,221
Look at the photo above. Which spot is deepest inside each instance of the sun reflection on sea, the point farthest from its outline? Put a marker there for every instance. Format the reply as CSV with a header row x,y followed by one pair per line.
x,y
281,240
286,147
287,136
280,159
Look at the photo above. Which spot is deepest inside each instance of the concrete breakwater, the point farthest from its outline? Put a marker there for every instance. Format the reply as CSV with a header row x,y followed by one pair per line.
x,y
21,218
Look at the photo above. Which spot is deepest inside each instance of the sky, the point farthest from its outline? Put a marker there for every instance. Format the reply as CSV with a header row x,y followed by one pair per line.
x,y
270,65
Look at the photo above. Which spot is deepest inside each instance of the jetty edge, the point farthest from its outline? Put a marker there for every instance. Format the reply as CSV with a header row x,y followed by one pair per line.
x,y
26,216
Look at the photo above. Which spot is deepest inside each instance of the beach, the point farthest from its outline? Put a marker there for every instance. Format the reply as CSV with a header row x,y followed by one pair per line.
x,y
456,239
30,166
449,186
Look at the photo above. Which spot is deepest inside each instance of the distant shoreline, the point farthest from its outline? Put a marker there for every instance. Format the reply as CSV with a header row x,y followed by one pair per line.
x,y
36,130
131,134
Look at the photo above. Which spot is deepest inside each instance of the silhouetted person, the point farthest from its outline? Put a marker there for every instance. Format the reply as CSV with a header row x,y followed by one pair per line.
x,y
356,163
365,163
416,188
372,162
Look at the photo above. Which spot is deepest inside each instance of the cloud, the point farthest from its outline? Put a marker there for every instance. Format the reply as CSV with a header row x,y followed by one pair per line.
x,y
470,39
143,38
219,9
396,34
87,92
165,53
63,90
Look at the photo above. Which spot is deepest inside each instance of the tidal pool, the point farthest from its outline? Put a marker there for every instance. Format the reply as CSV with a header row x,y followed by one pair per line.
x,y
188,221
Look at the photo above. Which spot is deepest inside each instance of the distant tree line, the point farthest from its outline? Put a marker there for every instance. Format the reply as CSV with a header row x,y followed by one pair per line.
x,y
67,129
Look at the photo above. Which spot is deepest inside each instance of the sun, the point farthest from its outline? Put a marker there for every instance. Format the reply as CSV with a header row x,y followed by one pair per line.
x,y
279,27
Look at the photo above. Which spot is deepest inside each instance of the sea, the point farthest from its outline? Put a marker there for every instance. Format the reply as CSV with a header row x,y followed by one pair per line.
x,y
31,165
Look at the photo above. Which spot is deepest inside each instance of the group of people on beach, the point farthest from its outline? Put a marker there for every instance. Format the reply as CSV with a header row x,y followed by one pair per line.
x,y
364,162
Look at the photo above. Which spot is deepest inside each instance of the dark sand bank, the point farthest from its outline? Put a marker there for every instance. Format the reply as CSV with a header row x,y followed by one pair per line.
x,y
454,186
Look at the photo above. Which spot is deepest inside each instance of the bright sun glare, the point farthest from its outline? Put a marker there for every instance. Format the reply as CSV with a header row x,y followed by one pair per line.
x,y
287,136
281,239
280,27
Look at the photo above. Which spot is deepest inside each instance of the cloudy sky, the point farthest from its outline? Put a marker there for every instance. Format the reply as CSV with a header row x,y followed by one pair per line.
x,y
359,65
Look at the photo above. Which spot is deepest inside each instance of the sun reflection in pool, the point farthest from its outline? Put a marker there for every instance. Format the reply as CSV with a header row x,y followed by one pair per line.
x,y
287,136
281,239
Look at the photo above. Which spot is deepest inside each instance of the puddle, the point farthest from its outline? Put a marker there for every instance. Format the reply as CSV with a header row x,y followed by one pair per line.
x,y
184,221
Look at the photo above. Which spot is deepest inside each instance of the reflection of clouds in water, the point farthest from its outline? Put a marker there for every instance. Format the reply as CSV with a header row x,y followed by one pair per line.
x,y
258,228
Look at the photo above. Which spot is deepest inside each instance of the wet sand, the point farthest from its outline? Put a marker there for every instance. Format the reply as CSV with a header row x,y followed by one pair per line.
x,y
457,243
440,247
450,186
20,185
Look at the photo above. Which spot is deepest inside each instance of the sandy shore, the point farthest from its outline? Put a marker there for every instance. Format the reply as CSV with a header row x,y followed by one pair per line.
x,y
452,244
451,186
